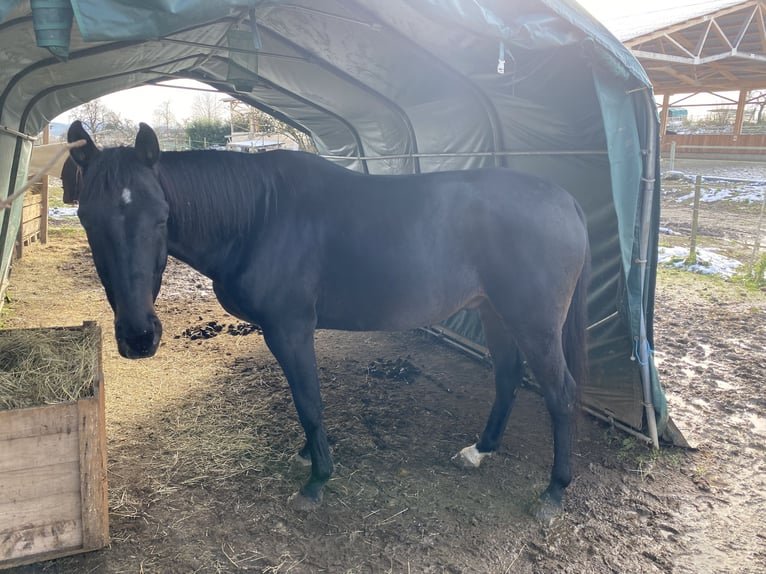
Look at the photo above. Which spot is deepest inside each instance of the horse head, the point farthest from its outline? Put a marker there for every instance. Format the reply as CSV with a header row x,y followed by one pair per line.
x,y
124,212
71,181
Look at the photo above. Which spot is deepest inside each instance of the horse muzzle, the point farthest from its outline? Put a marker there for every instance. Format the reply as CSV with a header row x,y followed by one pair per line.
x,y
138,342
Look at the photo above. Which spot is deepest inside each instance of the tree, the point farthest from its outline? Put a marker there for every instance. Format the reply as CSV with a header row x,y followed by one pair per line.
x,y
94,115
245,118
106,126
757,99
203,133
163,118
721,116
207,106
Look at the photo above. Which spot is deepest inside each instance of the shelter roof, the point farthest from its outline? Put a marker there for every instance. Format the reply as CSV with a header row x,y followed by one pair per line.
x,y
389,86
718,49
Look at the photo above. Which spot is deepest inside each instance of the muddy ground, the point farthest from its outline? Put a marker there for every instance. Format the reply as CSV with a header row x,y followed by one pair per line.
x,y
200,439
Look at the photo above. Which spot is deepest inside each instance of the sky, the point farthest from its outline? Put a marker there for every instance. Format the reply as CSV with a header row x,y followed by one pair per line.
x,y
138,104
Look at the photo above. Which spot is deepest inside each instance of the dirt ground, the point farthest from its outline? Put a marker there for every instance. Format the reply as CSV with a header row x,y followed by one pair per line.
x,y
200,440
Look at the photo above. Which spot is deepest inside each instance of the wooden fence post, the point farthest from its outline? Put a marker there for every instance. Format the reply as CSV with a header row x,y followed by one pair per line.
x,y
672,165
692,259
44,194
757,242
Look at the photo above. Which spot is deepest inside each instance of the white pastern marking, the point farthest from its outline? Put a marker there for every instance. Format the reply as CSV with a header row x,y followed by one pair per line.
x,y
300,460
470,457
127,196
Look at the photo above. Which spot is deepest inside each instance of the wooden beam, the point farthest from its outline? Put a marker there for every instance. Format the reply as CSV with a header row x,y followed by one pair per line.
x,y
44,194
702,39
664,114
744,27
686,24
739,118
761,29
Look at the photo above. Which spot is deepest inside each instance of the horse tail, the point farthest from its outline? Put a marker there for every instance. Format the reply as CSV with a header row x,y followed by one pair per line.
x,y
575,334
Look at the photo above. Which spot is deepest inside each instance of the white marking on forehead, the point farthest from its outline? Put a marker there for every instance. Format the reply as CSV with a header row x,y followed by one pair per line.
x,y
127,196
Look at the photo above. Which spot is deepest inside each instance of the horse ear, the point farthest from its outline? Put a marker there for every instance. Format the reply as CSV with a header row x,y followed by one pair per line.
x,y
85,154
147,146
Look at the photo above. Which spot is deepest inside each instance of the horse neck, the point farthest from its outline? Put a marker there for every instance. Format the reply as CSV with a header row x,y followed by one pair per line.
x,y
215,207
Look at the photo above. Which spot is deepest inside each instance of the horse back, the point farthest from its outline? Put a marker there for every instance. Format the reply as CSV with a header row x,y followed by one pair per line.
x,y
394,252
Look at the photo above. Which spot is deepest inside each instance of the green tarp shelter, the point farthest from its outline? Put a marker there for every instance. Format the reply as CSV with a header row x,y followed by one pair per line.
x,y
393,86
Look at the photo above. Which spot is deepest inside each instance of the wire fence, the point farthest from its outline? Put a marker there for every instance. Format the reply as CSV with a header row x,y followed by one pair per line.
x,y
712,217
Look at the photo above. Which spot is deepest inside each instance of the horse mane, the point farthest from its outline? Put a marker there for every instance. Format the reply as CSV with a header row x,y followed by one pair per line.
x,y
231,190
216,193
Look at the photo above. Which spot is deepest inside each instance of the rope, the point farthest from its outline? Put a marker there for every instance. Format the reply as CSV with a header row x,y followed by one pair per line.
x,y
637,356
8,201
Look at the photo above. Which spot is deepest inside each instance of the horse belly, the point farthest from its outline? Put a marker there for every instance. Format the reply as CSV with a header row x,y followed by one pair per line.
x,y
395,303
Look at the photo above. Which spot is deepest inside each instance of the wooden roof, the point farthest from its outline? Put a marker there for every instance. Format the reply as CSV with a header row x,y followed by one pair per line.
x,y
724,50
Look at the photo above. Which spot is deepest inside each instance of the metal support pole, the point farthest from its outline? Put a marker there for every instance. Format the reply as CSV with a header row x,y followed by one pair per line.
x,y
647,196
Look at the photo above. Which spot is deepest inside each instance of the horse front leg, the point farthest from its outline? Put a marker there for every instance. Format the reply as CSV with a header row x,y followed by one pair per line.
x,y
508,369
293,346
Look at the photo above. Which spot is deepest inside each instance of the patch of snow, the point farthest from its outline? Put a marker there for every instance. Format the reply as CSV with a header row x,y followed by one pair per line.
x,y
61,212
708,261
747,194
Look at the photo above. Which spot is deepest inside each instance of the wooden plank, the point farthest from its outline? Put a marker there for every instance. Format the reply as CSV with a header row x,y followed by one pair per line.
x,y
29,483
30,228
718,141
93,486
30,212
33,196
33,202
39,512
41,557
53,478
37,451
39,540
38,421
44,197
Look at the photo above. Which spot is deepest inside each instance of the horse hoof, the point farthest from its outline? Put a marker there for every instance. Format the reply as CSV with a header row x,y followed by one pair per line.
x,y
546,510
301,460
469,457
303,503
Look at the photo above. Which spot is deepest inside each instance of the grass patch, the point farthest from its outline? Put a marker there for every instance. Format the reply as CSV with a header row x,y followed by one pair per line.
x,y
56,197
63,231
754,276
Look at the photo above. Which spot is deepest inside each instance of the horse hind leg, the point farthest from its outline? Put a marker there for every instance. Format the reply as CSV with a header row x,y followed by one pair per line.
x,y
547,363
508,367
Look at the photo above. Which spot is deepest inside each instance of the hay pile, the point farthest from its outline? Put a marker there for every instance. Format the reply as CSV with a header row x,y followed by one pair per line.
x,y
47,366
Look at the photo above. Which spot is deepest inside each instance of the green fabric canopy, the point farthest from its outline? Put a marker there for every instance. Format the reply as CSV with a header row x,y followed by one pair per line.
x,y
393,86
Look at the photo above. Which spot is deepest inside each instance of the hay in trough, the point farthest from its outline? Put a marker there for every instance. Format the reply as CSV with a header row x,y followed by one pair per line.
x,y
47,366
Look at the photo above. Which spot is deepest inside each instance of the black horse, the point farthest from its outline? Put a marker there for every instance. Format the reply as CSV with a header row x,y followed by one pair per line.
x,y
294,243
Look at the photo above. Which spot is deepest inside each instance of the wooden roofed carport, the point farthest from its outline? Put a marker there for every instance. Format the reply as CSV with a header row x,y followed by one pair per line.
x,y
718,51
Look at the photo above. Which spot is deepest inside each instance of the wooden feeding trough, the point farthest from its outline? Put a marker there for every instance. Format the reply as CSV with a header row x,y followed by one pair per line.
x,y
53,492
